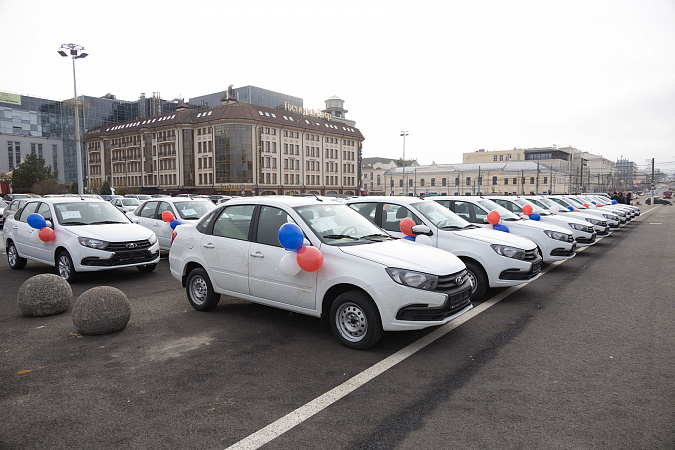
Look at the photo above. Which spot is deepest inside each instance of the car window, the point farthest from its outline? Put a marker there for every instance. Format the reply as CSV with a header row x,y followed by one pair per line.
x,y
30,208
148,210
164,206
393,214
203,224
444,203
509,206
194,209
469,212
45,211
367,210
440,216
3,204
130,202
234,222
88,213
269,222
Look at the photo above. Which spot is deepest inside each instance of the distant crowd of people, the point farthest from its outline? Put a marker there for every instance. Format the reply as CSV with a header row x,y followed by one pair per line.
x,y
621,197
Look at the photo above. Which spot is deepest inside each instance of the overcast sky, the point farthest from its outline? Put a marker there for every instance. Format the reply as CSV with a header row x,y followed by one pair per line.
x,y
457,75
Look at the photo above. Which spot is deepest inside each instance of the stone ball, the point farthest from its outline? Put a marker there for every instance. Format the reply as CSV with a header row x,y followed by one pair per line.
x,y
44,295
101,310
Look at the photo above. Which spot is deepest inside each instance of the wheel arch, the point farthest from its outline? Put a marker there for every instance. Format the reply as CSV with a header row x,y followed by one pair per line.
x,y
334,292
189,267
58,251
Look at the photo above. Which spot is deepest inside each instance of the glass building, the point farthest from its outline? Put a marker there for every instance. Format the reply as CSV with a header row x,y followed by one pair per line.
x,y
247,94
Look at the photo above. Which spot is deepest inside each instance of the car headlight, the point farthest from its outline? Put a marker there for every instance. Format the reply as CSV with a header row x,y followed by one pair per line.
x,y
595,221
577,226
414,279
556,235
152,239
509,252
610,217
92,243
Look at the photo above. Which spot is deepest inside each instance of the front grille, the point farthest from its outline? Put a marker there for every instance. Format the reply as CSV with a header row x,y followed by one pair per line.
x,y
587,240
123,258
530,254
448,282
455,303
128,245
570,238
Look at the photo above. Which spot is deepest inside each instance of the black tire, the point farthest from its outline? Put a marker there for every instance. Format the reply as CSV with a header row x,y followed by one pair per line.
x,y
200,291
479,281
15,261
146,268
65,268
355,320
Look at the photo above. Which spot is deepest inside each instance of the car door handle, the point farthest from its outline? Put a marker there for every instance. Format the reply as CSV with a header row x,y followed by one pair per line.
x,y
16,227
257,255
209,245
155,225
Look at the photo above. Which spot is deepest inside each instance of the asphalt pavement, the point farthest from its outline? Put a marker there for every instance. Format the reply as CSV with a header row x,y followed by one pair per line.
x,y
580,358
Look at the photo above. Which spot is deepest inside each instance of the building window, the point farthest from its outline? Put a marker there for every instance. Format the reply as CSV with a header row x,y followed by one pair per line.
x,y
479,180
545,180
378,180
468,181
494,158
515,181
400,182
531,180
422,182
457,181
444,181
501,157
506,181
433,182
410,182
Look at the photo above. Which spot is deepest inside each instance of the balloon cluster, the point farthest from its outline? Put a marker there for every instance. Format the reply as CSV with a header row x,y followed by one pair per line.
x,y
614,202
170,222
406,228
309,259
493,218
41,232
527,210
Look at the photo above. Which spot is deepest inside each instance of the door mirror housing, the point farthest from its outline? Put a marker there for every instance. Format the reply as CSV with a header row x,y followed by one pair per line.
x,y
422,229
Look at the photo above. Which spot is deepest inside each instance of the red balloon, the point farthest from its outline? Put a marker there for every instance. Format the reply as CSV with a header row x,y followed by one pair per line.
x,y
527,210
167,216
310,259
599,205
493,217
406,226
586,205
46,234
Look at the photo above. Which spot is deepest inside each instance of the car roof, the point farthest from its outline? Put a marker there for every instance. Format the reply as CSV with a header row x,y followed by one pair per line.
x,y
403,199
57,200
287,200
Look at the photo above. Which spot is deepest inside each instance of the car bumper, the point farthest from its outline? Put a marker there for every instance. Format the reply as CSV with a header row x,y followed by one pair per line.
x,y
101,260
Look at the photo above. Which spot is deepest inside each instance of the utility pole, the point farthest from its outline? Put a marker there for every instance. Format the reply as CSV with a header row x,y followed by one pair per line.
x,y
537,182
569,191
652,182
522,182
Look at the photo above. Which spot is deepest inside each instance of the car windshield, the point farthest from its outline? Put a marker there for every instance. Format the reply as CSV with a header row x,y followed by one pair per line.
x,y
338,224
535,209
576,203
441,216
143,197
193,209
492,206
88,213
2,204
130,202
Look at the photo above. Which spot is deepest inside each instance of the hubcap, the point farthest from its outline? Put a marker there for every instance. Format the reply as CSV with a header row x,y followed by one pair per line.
x,y
198,290
351,322
11,256
473,281
64,267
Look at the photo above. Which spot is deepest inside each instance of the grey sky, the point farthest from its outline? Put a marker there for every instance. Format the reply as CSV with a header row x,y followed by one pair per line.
x,y
457,75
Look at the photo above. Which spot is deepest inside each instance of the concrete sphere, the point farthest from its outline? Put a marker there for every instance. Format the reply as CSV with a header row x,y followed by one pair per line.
x,y
44,295
101,310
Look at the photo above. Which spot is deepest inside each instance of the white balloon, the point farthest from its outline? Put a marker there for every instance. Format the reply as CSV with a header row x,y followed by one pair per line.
x,y
35,237
288,264
424,239
555,208
166,228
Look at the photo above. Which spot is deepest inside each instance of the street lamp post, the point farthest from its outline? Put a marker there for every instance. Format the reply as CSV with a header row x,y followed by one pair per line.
x,y
76,52
405,181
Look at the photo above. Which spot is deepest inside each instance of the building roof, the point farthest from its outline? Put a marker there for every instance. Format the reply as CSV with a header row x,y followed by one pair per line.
x,y
236,111
502,166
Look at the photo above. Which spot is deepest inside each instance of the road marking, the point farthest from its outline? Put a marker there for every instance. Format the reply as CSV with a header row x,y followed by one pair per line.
x,y
655,223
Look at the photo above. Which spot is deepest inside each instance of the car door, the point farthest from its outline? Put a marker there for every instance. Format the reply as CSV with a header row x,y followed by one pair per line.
x,y
146,216
22,230
44,251
265,279
392,215
470,212
163,237
226,248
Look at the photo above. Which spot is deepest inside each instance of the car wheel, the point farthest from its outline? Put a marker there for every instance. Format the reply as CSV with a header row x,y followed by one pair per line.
x,y
15,261
200,291
65,268
146,268
355,321
479,283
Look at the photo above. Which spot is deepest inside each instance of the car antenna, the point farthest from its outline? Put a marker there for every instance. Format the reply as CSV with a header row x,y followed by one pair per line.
x,y
315,196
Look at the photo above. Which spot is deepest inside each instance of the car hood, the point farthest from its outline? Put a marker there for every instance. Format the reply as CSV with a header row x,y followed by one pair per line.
x,y
404,254
535,224
119,232
496,237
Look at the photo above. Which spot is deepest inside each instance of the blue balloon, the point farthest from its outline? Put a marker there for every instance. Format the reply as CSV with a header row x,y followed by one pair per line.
x,y
614,202
291,237
409,238
571,208
594,203
535,216
174,223
500,227
36,221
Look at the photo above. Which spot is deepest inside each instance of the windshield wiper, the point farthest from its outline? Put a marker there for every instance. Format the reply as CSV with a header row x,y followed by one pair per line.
x,y
74,223
469,226
339,236
372,236
103,222
451,227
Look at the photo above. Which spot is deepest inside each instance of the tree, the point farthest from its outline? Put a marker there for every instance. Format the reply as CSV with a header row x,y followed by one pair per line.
x,y
105,189
73,188
50,186
31,171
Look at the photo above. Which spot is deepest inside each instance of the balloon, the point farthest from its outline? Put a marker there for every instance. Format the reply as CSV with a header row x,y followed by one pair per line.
x,y
500,227
535,216
493,217
166,228
594,203
599,205
554,208
47,234
291,237
406,226
527,210
174,223
424,239
310,259
35,237
576,210
586,205
288,264
409,238
571,208
36,221
614,202
167,216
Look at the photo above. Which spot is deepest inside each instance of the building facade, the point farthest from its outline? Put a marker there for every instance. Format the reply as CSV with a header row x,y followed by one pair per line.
x,y
233,149
247,94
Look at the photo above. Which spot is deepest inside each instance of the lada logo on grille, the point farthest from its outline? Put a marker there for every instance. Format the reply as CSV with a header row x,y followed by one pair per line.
x,y
131,245
459,280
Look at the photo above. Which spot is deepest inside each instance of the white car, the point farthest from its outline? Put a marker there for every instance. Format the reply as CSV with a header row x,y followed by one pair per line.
x,y
555,243
599,223
368,283
3,204
582,231
492,259
621,216
125,204
183,209
89,235
611,219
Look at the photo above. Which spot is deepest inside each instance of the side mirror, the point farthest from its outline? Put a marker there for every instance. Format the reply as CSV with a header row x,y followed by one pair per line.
x,y
422,229
135,221
485,220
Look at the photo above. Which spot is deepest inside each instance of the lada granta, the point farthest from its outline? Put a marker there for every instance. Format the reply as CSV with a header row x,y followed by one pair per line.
x,y
360,280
